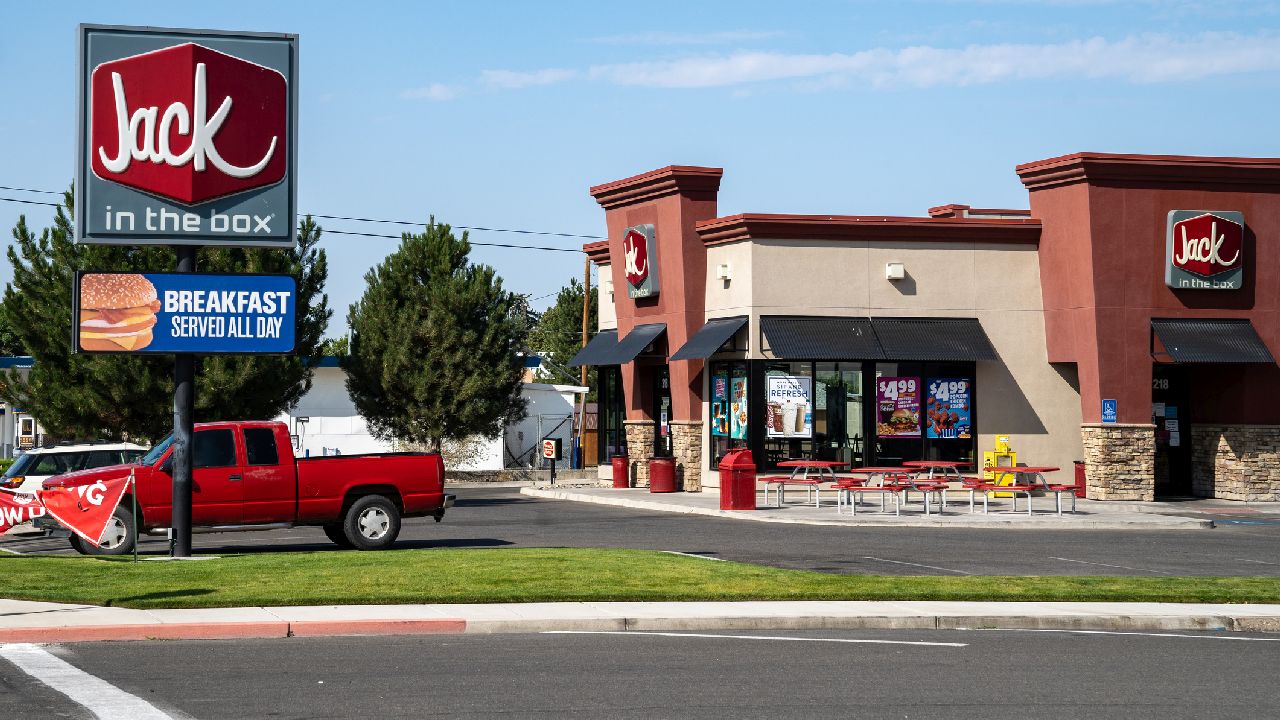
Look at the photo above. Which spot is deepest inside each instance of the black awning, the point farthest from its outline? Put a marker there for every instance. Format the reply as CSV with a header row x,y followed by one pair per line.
x,y
1210,341
708,340
821,338
598,351
635,342
937,339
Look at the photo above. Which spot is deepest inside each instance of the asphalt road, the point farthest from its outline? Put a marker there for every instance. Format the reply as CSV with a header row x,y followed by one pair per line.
x,y
936,674
501,517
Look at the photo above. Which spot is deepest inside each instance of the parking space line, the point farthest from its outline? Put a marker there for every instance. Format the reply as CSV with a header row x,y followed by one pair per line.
x,y
1119,567
100,697
1121,632
1260,562
756,637
930,567
692,555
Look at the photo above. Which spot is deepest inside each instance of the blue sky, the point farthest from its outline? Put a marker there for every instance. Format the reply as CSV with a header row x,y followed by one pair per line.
x,y
503,114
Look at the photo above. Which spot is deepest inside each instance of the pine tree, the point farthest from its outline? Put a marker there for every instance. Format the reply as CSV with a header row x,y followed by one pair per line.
x,y
559,333
92,396
435,344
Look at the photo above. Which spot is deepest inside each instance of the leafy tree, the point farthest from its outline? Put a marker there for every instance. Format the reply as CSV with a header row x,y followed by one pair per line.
x,y
435,344
559,333
84,395
334,347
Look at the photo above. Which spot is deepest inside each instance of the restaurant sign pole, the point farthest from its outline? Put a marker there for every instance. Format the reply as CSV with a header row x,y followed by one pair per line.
x,y
186,138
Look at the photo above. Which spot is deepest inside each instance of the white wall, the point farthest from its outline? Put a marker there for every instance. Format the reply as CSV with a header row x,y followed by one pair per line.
x,y
550,414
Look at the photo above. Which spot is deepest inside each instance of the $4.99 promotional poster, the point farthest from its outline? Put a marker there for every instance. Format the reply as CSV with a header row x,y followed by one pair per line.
x,y
947,408
898,407
184,313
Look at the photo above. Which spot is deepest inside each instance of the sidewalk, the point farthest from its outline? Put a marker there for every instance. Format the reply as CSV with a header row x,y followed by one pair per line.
x,y
1090,515
22,621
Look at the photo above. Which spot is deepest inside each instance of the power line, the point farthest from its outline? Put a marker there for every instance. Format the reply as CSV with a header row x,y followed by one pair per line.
x,y
360,219
30,202
482,244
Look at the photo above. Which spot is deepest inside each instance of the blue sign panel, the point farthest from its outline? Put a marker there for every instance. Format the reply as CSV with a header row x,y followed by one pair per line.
x,y
184,313
1109,411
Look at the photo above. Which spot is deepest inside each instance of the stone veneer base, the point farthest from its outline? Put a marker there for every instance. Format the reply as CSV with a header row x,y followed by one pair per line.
x,y
686,446
1236,462
1119,461
640,437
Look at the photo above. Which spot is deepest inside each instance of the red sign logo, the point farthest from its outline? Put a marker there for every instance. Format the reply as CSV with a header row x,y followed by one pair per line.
x,y
1207,244
635,253
188,123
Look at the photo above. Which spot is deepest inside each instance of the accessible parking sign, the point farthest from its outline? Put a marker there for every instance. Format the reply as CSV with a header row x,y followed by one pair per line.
x,y
184,313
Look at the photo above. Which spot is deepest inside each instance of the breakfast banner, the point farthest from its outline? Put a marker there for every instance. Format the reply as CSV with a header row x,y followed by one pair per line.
x,y
898,407
184,313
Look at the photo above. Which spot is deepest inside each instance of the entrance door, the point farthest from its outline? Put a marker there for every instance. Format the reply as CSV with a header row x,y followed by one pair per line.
x,y
1170,410
662,411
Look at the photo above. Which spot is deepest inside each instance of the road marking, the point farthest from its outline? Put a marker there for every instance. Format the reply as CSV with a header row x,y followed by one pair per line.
x,y
1141,634
693,555
11,552
1260,562
755,637
931,567
100,697
1121,567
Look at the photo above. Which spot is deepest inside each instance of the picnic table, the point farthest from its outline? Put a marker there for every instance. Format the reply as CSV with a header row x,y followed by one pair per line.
x,y
802,468
1027,478
944,468
895,481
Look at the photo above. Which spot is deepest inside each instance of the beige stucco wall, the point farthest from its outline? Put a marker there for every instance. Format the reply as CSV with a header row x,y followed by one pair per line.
x,y
606,313
1035,403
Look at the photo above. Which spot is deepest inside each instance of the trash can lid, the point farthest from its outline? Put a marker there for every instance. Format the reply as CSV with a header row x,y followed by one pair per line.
x,y
739,459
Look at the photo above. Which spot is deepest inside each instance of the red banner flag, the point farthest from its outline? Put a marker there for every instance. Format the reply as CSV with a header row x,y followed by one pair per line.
x,y
85,509
16,509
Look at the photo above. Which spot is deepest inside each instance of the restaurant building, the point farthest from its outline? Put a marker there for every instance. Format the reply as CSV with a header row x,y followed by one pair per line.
x,y
1126,319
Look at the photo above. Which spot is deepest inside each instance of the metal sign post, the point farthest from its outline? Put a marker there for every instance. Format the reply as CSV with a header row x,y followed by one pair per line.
x,y
551,451
184,400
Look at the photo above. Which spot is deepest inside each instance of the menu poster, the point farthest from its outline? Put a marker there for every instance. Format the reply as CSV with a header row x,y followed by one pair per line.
x,y
898,407
789,407
738,408
947,408
720,405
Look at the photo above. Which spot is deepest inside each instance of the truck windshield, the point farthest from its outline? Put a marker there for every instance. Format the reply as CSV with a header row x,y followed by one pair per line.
x,y
154,455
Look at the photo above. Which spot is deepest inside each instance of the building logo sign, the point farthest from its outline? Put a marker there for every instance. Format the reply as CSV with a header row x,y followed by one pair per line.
x,y
639,253
1204,250
186,137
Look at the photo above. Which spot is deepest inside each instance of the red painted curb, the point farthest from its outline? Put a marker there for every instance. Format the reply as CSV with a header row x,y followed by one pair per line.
x,y
156,631
320,628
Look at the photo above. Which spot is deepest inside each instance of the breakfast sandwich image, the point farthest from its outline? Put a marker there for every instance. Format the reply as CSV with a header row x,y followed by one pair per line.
x,y
117,312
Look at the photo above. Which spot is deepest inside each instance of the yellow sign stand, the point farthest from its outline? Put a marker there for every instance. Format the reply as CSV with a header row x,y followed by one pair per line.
x,y
1002,456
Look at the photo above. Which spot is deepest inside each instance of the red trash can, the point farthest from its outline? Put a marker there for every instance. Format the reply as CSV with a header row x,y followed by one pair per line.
x,y
1080,478
621,471
737,481
662,475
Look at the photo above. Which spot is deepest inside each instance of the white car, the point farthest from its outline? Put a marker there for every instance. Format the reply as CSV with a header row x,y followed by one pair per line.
x,y
39,464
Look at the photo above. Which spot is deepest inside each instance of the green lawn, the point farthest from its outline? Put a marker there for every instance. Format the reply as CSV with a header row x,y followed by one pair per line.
x,y
538,575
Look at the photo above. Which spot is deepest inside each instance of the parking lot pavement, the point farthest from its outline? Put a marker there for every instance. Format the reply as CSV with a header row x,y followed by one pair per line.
x,y
796,674
503,518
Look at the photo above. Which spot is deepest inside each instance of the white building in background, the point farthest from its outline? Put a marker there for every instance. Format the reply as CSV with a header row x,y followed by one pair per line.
x,y
325,422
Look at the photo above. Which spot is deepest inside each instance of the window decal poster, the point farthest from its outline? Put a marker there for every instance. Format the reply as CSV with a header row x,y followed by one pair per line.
x,y
789,407
898,407
720,405
947,408
738,408
184,313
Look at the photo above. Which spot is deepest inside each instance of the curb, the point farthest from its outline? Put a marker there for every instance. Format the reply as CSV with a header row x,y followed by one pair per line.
x,y
327,628
954,521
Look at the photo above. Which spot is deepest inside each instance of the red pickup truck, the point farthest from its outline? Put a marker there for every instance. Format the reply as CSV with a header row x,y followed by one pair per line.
x,y
245,477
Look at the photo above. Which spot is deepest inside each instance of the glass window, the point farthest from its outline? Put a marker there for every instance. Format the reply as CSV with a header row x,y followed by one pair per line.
x,y
101,458
132,456
802,445
215,448
730,408
613,438
55,463
153,455
260,446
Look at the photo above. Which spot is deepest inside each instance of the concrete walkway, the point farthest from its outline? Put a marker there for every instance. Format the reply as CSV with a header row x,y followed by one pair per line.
x,y
22,621
1090,515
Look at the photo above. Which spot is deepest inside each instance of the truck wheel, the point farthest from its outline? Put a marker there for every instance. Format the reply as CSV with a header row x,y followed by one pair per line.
x,y
117,539
372,523
338,536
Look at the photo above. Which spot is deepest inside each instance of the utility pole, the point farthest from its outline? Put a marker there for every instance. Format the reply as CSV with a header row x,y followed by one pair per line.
x,y
586,312
183,431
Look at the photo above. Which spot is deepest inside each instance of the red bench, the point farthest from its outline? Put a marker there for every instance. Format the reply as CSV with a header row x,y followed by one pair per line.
x,y
1015,490
845,493
780,483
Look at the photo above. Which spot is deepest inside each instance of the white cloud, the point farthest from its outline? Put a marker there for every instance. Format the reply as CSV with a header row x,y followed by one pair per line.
x,y
511,79
435,91
1141,59
710,38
